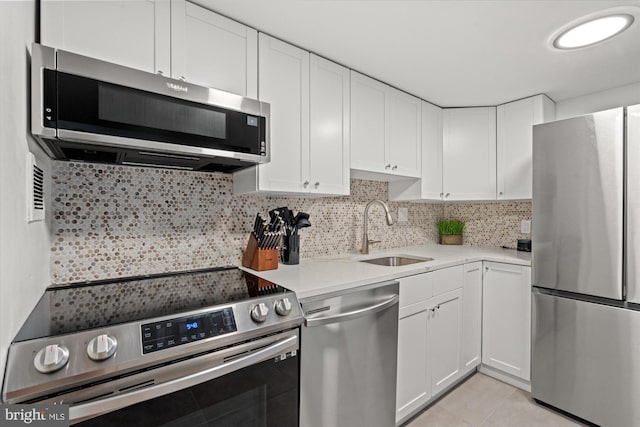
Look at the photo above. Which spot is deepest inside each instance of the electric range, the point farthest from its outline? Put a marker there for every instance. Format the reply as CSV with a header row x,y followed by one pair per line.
x,y
123,348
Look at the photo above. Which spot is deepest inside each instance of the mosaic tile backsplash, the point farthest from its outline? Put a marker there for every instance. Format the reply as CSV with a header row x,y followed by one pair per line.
x,y
114,221
492,223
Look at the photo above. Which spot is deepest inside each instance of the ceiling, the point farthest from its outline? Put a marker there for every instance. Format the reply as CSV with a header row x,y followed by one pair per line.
x,y
453,53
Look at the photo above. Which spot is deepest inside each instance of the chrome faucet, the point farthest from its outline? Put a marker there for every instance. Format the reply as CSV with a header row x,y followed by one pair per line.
x,y
365,237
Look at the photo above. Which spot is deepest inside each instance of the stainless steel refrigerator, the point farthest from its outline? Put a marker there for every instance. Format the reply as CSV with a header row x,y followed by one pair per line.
x,y
586,266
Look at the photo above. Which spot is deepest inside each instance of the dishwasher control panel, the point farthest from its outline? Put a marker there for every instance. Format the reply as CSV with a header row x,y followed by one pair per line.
x,y
173,332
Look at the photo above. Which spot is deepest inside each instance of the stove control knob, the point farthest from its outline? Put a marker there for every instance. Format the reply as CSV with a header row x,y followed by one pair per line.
x,y
259,312
52,358
102,347
283,307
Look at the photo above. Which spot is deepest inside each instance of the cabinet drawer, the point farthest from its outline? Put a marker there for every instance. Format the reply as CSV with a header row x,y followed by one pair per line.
x,y
447,279
414,289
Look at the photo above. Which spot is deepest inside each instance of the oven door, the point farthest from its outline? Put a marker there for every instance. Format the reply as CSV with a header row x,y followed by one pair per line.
x,y
252,384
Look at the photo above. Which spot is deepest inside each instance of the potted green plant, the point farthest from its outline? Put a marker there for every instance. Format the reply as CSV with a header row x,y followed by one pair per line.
x,y
450,231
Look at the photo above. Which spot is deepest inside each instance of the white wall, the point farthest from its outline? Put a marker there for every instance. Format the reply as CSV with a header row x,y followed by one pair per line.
x,y
24,248
599,101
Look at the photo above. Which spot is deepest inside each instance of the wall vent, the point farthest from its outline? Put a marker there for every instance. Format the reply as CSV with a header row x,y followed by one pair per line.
x,y
35,189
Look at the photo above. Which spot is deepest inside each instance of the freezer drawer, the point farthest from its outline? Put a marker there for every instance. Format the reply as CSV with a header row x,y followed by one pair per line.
x,y
577,204
586,359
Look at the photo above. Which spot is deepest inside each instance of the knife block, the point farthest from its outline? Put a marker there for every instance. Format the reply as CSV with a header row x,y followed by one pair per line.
x,y
259,259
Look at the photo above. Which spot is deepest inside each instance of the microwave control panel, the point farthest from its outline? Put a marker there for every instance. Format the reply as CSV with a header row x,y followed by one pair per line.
x,y
173,332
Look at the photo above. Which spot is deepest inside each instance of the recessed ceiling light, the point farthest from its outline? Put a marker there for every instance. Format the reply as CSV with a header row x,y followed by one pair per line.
x,y
593,31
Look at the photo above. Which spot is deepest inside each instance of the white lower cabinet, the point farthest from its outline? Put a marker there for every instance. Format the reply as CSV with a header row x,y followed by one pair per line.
x,y
444,339
506,319
432,334
472,317
414,373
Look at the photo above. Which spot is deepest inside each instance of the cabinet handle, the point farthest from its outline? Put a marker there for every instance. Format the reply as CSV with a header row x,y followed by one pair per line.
x,y
441,194
387,166
447,195
501,193
159,72
305,184
395,167
183,78
317,184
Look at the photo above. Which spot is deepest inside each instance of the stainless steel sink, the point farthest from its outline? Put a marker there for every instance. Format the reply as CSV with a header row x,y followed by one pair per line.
x,y
395,261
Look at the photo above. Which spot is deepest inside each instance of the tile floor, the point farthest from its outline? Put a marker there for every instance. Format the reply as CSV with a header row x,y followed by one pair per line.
x,y
484,401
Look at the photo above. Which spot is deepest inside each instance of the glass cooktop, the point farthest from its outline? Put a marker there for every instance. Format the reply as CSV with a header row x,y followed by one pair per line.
x,y
88,305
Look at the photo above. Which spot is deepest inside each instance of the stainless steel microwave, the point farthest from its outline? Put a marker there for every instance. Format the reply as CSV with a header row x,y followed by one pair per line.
x,y
86,109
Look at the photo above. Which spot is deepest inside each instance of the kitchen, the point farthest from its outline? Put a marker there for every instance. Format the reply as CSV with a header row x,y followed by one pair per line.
x,y
108,221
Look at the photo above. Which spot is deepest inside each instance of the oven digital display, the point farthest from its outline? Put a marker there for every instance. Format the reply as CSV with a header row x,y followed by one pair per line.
x,y
170,333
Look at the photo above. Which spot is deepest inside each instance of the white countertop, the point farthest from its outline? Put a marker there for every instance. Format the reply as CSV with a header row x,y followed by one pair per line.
x,y
323,275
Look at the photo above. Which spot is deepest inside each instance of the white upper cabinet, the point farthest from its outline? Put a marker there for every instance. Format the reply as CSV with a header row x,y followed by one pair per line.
x,y
329,128
368,123
514,141
131,33
214,51
385,130
404,146
469,153
284,83
309,133
429,187
431,152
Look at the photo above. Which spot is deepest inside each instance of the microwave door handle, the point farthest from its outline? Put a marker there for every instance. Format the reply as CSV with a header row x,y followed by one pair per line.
x,y
110,404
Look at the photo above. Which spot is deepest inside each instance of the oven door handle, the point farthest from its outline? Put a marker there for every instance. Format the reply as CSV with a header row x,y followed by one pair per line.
x,y
110,404
343,317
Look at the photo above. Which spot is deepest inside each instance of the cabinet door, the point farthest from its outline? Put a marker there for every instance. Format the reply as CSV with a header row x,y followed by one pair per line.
x,y
329,131
284,83
444,333
472,316
431,152
506,318
131,33
414,376
514,144
469,153
404,146
211,50
369,116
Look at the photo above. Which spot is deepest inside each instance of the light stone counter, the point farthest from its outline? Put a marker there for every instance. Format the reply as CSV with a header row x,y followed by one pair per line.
x,y
324,275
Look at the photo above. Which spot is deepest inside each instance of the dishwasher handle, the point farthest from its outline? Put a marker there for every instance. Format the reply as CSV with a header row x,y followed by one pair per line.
x,y
342,317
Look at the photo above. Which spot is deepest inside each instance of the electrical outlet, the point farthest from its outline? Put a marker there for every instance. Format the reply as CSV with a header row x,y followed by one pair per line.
x,y
403,214
525,226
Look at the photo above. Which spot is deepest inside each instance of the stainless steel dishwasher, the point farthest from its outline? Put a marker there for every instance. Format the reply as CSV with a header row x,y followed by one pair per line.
x,y
348,358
